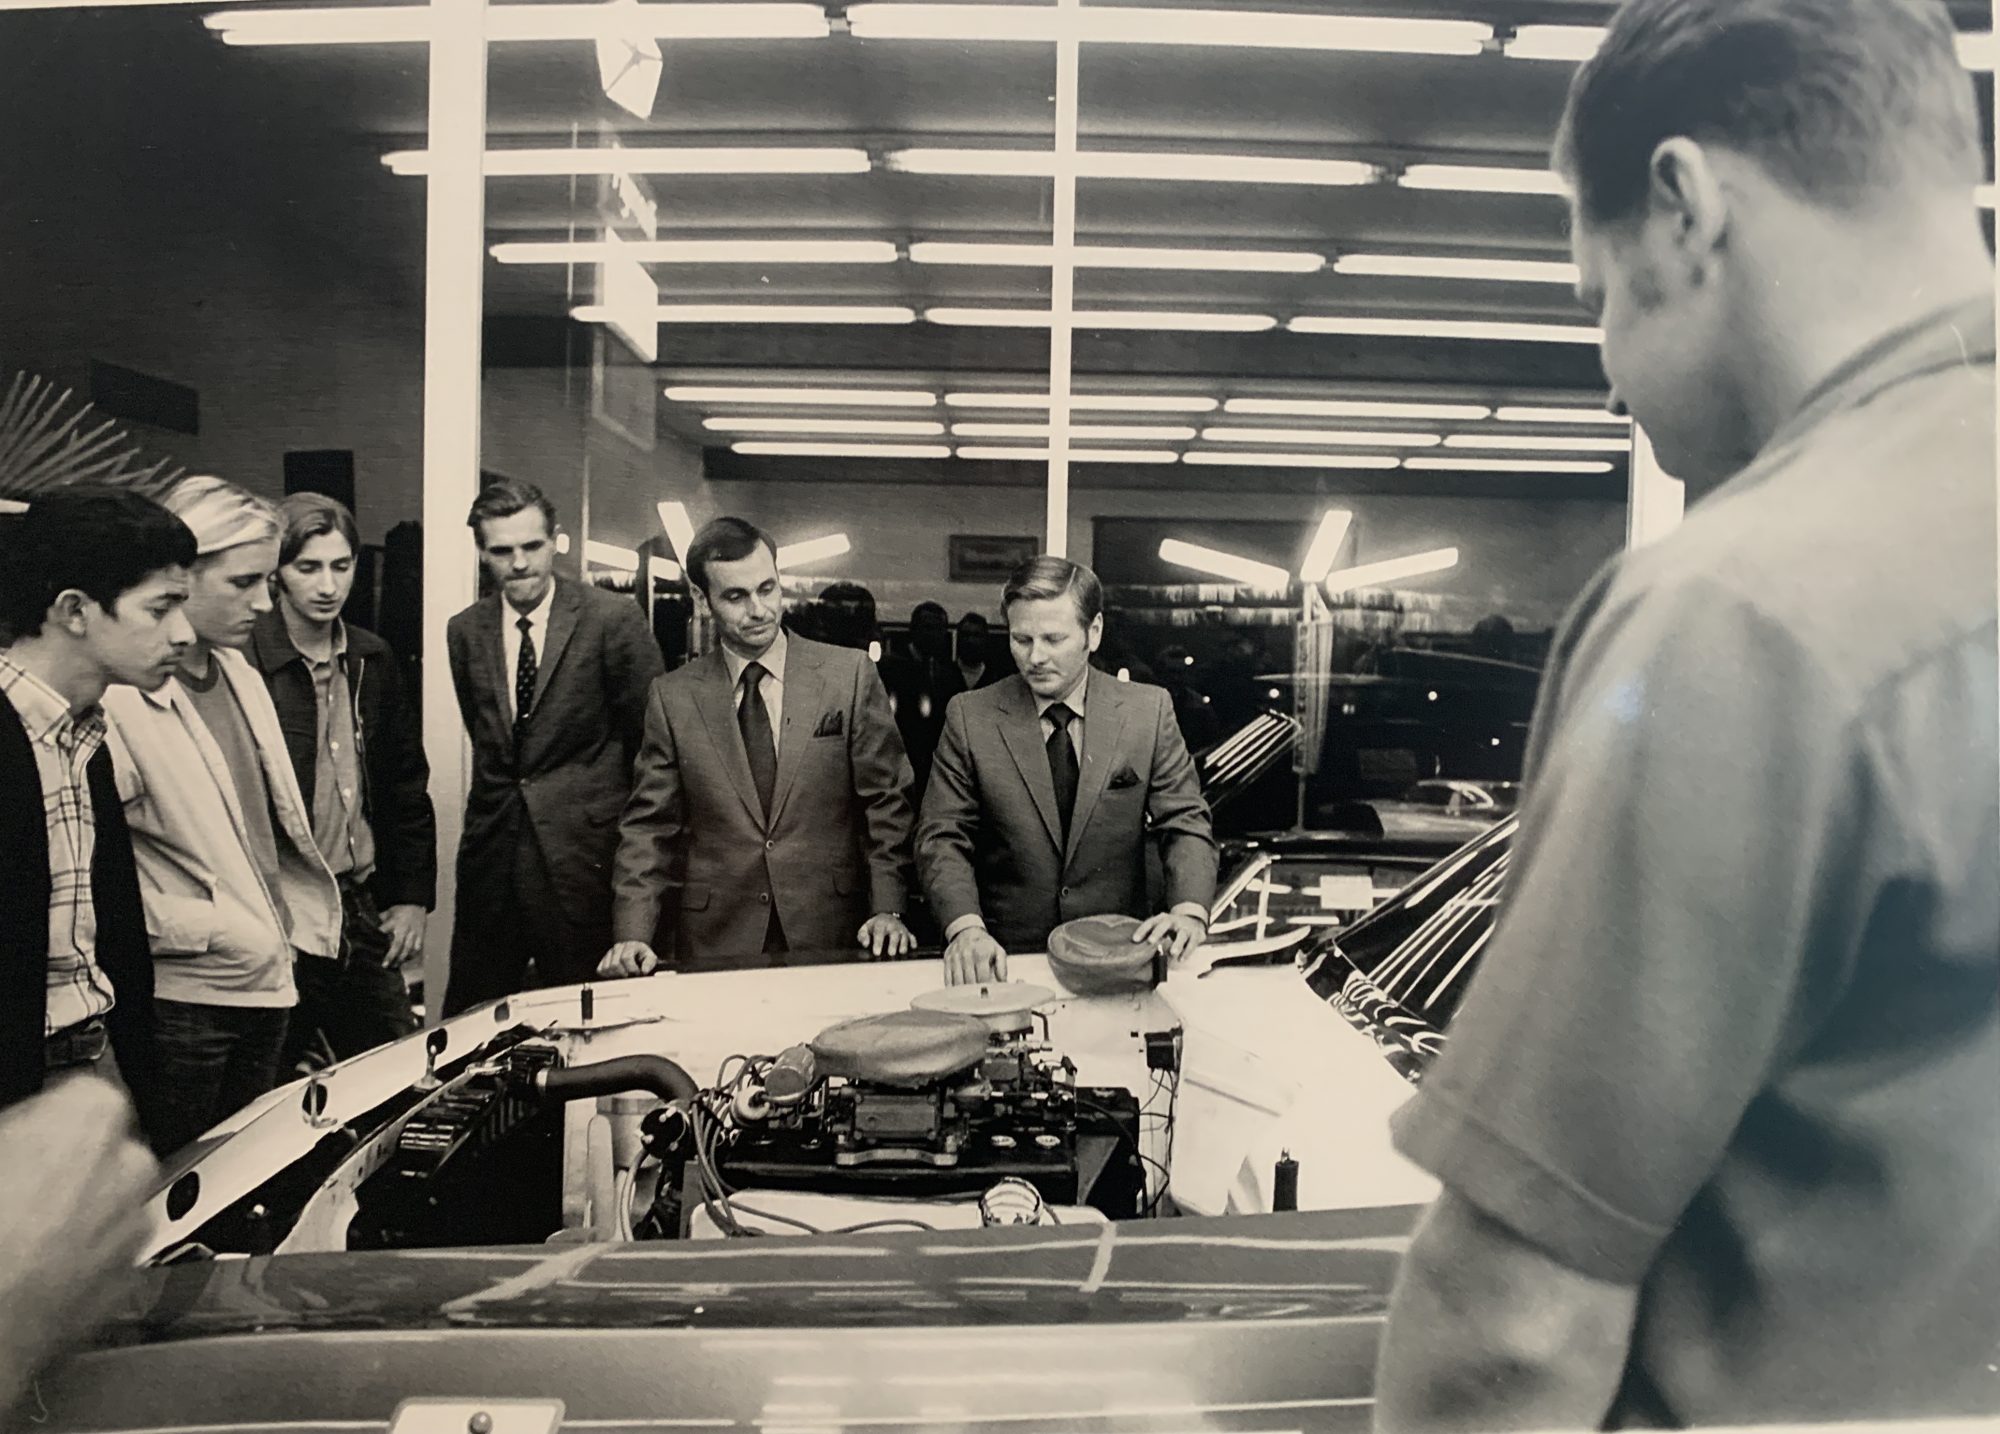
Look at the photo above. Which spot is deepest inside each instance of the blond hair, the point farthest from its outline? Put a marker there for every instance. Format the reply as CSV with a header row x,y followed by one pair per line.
x,y
221,514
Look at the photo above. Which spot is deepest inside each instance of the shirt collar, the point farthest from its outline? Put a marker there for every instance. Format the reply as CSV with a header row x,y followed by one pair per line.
x,y
45,716
538,616
1073,699
773,660
335,652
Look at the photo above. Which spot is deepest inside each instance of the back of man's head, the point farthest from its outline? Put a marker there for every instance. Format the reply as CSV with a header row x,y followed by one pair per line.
x,y
724,540
101,542
1847,103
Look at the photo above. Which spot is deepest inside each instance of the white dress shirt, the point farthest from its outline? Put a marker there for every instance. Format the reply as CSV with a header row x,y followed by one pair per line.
x,y
510,637
771,685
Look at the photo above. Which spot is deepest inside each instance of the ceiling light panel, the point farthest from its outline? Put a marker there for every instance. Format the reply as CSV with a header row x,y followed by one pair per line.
x,y
1087,432
1576,43
1219,564
410,24
1483,179
1352,437
759,314
1534,444
1391,570
1078,455
1460,464
830,397
1140,26
898,428
1091,256
1138,165
1478,330
714,159
1254,459
1427,266
701,251
1104,319
757,448
1562,415
1358,408
1100,402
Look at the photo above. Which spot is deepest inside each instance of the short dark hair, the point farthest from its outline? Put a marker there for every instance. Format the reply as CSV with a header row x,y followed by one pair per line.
x,y
928,611
1840,100
1040,579
503,498
724,540
313,515
101,541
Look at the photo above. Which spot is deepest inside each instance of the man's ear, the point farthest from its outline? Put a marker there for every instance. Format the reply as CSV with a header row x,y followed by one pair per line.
x,y
1685,195
1096,631
68,610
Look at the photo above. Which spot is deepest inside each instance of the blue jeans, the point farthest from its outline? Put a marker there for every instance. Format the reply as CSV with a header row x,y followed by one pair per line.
x,y
214,1060
353,1001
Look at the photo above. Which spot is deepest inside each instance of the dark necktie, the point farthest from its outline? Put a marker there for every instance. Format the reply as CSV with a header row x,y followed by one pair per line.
x,y
524,675
753,719
1062,762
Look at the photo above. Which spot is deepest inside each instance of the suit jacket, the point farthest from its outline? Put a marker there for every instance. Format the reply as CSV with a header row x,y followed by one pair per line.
x,y
695,848
988,842
122,953
569,779
395,777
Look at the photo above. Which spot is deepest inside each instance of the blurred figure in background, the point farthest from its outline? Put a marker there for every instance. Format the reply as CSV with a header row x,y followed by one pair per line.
x,y
235,888
920,683
358,754
979,664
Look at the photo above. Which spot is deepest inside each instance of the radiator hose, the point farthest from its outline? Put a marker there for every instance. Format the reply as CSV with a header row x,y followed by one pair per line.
x,y
614,1077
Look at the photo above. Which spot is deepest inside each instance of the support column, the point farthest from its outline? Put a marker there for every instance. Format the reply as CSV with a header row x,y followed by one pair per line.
x,y
454,269
1062,276
1654,502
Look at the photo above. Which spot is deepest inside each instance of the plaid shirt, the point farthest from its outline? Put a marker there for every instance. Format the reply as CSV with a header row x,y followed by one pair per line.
x,y
64,745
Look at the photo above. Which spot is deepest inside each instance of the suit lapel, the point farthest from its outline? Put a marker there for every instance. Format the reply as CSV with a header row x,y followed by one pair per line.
x,y
562,623
1021,730
1104,731
802,700
492,653
713,699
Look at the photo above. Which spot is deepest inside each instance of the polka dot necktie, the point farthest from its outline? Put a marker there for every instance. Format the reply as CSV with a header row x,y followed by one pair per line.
x,y
524,675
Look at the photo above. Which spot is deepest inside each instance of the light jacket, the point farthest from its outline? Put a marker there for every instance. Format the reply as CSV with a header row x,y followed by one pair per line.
x,y
217,938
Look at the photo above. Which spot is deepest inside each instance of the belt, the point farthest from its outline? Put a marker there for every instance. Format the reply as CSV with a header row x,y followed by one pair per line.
x,y
82,1044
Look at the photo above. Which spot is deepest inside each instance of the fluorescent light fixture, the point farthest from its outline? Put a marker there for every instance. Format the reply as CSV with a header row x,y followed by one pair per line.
x,y
1574,43
886,427
1562,415
1483,179
1140,26
1358,408
1428,266
1534,444
760,314
1982,195
830,397
1223,565
607,159
1105,319
1137,165
1370,575
1502,465
1097,256
1077,455
841,450
813,550
410,24
1253,459
679,526
1976,50
701,251
1479,330
1318,561
1351,437
610,555
1157,433
1100,402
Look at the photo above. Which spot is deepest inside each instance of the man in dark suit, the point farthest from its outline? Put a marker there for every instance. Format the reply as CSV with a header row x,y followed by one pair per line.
x,y
1046,786
769,819
921,685
92,582
551,678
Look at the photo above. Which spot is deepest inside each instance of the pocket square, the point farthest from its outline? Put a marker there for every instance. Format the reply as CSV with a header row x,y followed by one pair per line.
x,y
1124,777
831,724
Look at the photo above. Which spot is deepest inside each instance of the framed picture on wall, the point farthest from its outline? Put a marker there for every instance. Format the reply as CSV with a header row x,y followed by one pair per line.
x,y
986,558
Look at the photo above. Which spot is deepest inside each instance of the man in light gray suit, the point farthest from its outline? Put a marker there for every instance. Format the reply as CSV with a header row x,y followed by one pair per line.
x,y
1045,789
769,823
